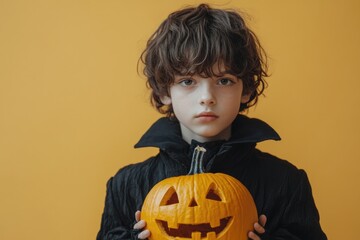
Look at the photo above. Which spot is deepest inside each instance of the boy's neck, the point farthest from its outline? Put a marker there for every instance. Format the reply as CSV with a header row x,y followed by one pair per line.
x,y
188,135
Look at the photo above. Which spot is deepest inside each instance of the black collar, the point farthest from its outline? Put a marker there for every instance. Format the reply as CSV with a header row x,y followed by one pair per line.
x,y
166,134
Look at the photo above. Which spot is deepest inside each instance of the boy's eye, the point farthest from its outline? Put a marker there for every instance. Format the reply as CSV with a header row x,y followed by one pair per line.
x,y
187,82
225,81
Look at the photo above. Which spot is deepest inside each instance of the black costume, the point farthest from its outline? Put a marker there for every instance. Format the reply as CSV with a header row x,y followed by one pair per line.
x,y
280,190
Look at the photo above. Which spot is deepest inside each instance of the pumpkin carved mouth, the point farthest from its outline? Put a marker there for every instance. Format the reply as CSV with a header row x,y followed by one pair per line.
x,y
190,230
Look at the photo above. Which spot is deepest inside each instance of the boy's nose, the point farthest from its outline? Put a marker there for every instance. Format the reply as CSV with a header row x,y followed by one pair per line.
x,y
208,101
207,97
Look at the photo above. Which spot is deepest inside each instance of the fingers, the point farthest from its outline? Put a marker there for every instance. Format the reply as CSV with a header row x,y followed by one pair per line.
x,y
144,234
258,228
140,224
137,215
262,220
253,236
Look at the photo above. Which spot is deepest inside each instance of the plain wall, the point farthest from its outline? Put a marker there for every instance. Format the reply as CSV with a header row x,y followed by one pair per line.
x,y
72,105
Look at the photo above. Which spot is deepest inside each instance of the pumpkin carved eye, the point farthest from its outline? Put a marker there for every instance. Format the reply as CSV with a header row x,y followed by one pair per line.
x,y
170,197
213,193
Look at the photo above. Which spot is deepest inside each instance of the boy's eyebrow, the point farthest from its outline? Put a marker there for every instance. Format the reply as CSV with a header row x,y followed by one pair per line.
x,y
222,73
226,72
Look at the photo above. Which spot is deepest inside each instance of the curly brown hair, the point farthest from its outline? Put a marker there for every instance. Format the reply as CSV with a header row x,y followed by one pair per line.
x,y
191,40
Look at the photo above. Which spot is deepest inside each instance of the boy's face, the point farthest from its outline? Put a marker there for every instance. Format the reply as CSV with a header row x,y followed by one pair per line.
x,y
206,107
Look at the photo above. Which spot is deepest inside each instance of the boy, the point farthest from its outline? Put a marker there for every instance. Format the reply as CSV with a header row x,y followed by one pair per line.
x,y
204,66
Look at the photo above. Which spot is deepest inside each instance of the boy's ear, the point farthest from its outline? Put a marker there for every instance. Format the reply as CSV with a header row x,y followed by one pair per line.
x,y
245,98
166,100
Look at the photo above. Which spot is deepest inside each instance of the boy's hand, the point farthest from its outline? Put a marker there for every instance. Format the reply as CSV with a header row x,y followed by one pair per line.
x,y
259,228
140,224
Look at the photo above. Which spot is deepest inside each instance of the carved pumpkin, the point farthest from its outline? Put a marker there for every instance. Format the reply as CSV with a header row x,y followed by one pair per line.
x,y
199,206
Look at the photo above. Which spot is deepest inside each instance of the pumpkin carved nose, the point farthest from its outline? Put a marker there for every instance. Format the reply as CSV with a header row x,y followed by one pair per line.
x,y
193,203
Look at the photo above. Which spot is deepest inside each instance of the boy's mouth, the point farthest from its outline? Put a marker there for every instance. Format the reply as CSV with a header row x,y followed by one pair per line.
x,y
206,114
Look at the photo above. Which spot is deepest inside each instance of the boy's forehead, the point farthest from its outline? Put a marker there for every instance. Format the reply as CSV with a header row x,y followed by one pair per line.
x,y
217,69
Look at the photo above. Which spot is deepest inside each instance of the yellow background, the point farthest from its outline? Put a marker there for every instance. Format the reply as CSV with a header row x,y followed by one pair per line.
x,y
72,105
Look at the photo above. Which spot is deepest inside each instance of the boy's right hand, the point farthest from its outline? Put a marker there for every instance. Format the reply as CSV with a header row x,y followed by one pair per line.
x,y
140,224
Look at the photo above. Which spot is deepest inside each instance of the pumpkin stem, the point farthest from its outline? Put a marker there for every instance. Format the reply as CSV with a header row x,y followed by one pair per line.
x,y
197,161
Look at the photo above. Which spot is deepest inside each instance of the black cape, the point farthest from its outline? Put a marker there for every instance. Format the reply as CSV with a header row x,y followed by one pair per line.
x,y
280,190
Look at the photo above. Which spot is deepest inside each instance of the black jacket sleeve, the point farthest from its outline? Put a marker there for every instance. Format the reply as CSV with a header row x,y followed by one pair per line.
x,y
114,225
300,217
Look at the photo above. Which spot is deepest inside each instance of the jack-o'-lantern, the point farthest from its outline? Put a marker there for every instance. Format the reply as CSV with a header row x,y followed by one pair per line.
x,y
199,206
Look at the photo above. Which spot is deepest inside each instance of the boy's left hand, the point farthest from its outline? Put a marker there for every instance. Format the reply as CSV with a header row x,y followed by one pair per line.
x,y
140,225
259,228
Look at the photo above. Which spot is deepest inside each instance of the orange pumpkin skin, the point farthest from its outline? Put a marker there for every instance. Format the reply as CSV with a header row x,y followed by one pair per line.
x,y
199,206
